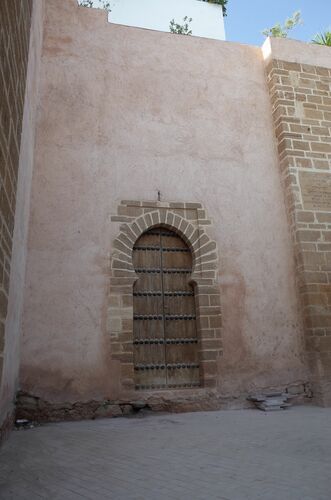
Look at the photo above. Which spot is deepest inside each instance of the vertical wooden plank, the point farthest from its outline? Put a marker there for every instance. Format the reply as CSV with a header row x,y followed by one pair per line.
x,y
149,351
179,309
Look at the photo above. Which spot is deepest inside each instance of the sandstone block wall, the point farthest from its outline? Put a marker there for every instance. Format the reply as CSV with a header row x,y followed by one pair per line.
x,y
300,93
15,20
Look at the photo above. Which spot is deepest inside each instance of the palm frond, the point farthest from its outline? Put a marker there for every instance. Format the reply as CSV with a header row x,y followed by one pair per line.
x,y
323,39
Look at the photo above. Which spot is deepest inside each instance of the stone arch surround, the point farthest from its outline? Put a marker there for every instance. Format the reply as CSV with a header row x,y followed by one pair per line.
x,y
135,218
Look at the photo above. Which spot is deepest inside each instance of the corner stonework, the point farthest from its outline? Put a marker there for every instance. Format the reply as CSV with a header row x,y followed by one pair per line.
x,y
301,106
189,221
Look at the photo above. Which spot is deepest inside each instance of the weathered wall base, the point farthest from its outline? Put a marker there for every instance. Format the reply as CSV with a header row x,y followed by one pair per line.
x,y
37,409
6,427
321,378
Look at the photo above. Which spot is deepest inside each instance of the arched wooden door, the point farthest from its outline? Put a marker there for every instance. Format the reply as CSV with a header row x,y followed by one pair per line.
x,y
165,336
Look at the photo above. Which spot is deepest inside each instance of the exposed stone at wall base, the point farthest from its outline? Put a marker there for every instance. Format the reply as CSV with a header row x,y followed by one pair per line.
x,y
6,427
39,410
321,379
323,393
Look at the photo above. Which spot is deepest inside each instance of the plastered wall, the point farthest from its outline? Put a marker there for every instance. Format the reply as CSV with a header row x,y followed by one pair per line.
x,y
125,113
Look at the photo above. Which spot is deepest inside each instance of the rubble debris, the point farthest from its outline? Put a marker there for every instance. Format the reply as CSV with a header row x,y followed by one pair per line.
x,y
273,401
23,423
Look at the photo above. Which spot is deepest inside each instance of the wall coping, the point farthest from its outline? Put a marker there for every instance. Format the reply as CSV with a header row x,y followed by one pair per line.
x,y
285,49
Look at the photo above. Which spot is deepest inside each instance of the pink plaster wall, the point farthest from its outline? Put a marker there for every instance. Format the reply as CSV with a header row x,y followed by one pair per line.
x,y
9,382
125,112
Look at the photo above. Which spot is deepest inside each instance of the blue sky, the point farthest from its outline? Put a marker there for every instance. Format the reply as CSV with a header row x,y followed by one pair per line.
x,y
247,18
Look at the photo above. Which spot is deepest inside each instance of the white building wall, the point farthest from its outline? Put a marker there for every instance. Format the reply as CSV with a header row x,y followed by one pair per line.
x,y
156,15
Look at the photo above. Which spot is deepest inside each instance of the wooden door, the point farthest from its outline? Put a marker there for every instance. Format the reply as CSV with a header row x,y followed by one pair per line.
x,y
165,337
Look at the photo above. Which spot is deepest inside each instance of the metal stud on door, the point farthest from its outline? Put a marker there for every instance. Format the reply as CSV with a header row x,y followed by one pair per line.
x,y
165,338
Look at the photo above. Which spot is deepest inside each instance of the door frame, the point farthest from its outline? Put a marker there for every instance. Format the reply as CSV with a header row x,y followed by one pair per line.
x,y
189,221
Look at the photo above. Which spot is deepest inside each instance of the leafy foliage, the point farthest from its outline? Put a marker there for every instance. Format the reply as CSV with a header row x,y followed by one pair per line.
x,y
280,31
103,4
219,2
181,29
323,39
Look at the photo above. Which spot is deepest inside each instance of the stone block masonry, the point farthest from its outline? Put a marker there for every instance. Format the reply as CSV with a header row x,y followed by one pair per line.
x,y
301,106
15,20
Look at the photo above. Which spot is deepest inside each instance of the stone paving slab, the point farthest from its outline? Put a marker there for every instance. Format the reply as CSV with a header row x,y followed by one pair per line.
x,y
225,455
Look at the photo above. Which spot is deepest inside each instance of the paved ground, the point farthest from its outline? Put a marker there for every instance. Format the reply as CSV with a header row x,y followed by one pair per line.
x,y
230,455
